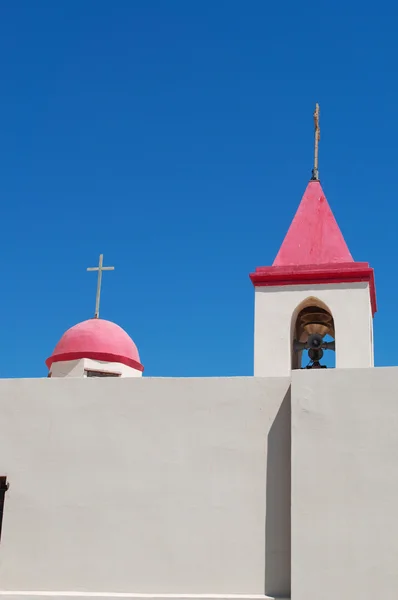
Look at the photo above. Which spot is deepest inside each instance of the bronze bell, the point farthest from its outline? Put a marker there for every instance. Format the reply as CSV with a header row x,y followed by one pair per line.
x,y
314,319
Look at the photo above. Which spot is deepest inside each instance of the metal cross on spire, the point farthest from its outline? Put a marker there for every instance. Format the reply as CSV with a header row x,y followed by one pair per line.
x,y
100,268
315,172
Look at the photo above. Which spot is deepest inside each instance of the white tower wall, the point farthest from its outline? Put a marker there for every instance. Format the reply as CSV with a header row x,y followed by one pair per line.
x,y
275,314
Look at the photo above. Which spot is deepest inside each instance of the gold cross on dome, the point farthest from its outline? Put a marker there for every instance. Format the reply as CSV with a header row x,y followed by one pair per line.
x,y
100,268
315,172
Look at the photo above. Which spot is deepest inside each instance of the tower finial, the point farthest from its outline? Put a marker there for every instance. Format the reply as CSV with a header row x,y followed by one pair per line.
x,y
315,172
100,268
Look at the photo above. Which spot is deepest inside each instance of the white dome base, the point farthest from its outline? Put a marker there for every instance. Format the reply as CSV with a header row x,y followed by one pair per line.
x,y
87,367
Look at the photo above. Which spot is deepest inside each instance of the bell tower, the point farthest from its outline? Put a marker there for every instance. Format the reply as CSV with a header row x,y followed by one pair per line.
x,y
314,298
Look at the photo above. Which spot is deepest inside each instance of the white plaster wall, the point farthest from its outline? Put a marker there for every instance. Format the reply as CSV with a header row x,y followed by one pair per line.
x,y
68,368
345,484
157,486
125,596
77,368
274,308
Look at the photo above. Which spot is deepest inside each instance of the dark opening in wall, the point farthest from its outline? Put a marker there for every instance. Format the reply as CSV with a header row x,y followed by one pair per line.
x,y
90,373
3,488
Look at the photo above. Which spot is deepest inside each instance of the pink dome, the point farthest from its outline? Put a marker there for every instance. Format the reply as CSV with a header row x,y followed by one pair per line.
x,y
99,340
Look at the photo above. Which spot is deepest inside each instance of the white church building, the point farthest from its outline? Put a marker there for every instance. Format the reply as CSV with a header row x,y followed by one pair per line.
x,y
279,485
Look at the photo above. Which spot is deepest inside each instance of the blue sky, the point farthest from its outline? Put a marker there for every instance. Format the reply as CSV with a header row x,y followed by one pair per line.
x,y
176,138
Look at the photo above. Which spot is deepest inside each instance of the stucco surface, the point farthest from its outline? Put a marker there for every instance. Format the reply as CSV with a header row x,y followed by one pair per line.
x,y
146,485
345,484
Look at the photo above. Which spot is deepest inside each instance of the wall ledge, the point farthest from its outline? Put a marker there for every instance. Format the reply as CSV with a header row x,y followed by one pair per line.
x,y
11,594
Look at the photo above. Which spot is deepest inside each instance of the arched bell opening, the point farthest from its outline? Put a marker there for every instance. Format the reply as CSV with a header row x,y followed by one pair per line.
x,y
312,333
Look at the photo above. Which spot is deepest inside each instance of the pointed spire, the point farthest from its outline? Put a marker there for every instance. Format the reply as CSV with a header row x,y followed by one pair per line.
x,y
314,250
313,238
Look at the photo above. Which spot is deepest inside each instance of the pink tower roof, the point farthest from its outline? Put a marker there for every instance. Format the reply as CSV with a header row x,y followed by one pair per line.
x,y
313,238
314,250
99,340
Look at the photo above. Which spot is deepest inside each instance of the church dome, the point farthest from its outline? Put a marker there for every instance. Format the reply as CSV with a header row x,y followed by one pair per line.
x,y
99,340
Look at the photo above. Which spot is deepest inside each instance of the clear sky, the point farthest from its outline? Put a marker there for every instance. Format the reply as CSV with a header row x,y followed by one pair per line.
x,y
175,137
